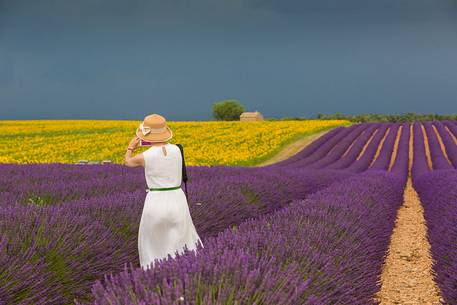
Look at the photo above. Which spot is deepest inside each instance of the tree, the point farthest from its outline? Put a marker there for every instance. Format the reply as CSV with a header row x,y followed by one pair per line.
x,y
227,110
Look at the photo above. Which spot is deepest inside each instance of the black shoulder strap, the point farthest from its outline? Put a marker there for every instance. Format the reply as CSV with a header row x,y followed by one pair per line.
x,y
184,169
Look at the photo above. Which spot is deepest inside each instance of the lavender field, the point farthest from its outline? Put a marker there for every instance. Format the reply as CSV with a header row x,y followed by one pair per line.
x,y
312,229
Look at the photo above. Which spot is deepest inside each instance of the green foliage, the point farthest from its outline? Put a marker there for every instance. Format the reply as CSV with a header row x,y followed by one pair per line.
x,y
289,118
228,110
40,200
250,195
375,117
392,118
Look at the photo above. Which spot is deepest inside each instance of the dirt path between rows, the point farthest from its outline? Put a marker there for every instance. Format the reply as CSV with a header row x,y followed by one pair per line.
x,y
292,148
407,277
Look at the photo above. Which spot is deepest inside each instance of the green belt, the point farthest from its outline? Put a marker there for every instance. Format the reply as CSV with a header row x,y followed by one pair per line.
x,y
163,188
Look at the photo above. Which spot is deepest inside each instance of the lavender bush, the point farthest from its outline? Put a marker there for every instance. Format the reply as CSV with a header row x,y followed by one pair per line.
x,y
385,154
437,189
366,159
448,141
452,126
438,194
437,156
354,150
67,237
334,241
339,149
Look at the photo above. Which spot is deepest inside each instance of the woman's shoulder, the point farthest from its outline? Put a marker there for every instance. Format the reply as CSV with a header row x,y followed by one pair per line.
x,y
175,146
178,146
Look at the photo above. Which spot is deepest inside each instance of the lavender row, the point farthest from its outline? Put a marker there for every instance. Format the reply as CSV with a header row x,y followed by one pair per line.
x,y
51,254
437,189
339,149
437,156
327,249
448,141
420,164
438,193
328,151
55,183
312,148
323,150
365,160
441,158
385,154
400,167
354,150
452,126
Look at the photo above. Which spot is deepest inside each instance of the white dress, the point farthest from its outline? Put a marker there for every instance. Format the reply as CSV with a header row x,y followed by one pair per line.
x,y
166,224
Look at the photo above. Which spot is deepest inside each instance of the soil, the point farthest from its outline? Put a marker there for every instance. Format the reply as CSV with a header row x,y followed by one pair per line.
x,y
407,277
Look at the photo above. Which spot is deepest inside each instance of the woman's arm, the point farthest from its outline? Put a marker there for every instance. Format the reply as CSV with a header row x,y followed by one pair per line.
x,y
137,160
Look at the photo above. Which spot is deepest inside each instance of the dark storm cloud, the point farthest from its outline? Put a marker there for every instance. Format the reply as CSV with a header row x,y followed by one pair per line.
x,y
94,59
225,9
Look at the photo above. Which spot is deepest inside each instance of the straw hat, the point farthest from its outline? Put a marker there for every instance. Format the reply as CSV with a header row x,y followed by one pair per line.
x,y
154,128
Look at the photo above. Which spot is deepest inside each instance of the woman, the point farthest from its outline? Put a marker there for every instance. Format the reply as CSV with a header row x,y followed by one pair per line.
x,y
166,224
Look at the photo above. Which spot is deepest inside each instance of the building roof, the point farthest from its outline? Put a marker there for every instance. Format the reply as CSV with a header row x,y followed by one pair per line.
x,y
250,114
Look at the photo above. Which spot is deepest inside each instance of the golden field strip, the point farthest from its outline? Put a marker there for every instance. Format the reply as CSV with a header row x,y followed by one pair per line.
x,y
205,142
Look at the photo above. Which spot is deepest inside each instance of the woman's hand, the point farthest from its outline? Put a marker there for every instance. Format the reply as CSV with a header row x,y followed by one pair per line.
x,y
134,142
138,160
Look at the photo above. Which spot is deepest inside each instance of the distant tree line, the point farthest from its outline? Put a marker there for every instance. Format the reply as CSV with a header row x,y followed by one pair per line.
x,y
231,109
393,118
374,117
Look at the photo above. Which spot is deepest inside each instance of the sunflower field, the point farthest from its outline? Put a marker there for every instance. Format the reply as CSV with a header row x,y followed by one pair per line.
x,y
205,142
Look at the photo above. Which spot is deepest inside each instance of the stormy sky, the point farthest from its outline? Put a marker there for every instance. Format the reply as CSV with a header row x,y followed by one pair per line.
x,y
124,59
